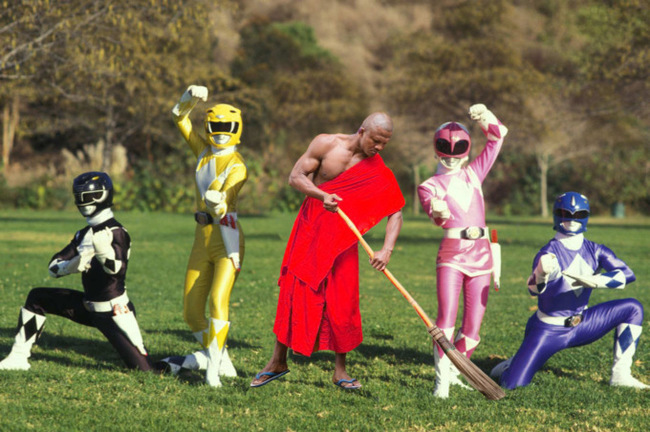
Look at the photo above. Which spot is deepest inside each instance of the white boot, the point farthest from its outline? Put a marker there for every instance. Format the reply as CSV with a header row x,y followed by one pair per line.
x,y
29,328
217,333
202,336
198,360
625,341
227,368
443,368
454,377
465,345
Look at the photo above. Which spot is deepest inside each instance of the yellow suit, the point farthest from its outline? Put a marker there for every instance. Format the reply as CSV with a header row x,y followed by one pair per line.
x,y
210,273
218,248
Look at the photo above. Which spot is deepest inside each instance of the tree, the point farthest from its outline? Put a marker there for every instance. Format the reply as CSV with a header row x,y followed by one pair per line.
x,y
113,66
30,31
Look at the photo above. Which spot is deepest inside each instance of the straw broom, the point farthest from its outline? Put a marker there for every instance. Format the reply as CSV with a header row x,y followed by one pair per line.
x,y
475,376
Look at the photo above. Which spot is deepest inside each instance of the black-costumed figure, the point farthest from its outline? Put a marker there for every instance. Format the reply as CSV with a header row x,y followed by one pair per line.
x,y
100,252
218,250
565,273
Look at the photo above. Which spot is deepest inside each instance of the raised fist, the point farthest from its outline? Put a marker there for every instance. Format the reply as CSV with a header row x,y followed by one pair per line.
x,y
476,111
190,98
490,124
198,92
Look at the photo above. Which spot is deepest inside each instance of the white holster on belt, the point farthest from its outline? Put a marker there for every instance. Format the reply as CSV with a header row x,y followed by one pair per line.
x,y
230,236
496,264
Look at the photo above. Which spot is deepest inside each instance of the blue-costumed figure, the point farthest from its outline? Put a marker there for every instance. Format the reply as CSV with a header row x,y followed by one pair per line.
x,y
565,272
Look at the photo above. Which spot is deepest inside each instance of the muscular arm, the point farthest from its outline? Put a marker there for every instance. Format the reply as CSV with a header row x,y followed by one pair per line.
x,y
393,226
303,172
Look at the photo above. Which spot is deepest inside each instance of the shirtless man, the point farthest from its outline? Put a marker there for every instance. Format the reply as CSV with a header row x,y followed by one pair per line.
x,y
318,308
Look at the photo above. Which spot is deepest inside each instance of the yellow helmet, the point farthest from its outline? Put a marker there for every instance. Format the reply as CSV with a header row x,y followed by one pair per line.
x,y
223,125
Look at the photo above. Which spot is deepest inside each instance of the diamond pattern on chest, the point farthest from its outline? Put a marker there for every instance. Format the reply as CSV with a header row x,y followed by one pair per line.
x,y
461,191
581,267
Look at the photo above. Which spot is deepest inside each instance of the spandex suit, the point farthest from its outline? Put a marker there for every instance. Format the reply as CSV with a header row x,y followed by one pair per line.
x,y
218,250
100,251
563,319
464,257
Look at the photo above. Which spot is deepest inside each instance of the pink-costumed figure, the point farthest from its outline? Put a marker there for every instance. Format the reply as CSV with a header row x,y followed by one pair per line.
x,y
453,199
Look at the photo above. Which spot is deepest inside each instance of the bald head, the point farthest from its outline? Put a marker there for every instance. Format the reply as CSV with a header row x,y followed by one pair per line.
x,y
378,120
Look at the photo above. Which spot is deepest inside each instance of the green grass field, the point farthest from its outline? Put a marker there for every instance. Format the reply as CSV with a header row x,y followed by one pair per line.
x,y
77,382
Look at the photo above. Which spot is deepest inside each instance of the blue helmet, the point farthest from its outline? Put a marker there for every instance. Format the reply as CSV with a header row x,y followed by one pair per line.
x,y
571,213
93,192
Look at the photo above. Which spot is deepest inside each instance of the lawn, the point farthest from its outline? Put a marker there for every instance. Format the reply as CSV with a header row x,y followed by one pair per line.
x,y
77,382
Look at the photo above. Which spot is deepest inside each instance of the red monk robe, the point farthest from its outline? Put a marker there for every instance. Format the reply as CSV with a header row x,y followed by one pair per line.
x,y
318,307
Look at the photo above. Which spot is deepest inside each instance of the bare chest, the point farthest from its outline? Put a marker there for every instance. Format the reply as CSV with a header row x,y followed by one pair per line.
x,y
334,163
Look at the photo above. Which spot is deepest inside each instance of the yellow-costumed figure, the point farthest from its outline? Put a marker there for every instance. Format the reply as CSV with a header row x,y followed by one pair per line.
x,y
218,249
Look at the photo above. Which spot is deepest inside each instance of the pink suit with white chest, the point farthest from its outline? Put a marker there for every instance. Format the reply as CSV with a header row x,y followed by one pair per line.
x,y
453,199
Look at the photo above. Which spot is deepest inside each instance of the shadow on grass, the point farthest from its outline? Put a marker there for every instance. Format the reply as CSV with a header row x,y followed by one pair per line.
x,y
186,335
396,357
88,353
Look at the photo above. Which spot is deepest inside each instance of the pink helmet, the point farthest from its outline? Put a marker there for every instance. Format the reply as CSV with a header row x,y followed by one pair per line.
x,y
452,140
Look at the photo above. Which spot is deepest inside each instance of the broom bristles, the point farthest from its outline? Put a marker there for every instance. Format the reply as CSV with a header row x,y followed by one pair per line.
x,y
475,376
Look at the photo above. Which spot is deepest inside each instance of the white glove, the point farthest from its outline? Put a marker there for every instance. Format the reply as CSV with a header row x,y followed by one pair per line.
x,y
546,265
214,197
217,202
612,280
190,98
486,118
102,242
59,267
440,209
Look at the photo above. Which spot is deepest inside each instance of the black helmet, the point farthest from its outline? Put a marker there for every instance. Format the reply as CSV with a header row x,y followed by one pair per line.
x,y
93,192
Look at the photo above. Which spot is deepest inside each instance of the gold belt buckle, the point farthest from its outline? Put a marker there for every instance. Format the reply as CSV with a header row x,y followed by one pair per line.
x,y
573,321
473,233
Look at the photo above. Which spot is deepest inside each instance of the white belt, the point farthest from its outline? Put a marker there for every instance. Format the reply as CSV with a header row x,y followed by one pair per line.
x,y
106,306
564,321
469,233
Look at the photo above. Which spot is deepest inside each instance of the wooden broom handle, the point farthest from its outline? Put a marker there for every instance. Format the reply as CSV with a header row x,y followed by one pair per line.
x,y
388,274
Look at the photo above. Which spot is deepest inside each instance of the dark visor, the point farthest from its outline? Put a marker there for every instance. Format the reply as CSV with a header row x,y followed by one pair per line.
x,y
81,198
566,214
219,127
443,146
